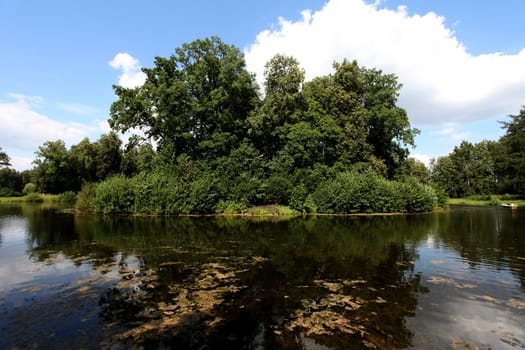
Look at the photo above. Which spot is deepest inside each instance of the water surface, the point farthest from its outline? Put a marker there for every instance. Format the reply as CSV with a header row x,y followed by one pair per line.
x,y
451,280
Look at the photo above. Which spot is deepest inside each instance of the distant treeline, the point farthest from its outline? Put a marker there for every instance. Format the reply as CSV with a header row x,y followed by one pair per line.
x,y
486,167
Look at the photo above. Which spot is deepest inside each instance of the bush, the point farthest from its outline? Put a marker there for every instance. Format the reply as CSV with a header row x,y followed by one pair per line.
x,y
115,195
278,188
68,196
86,198
368,192
155,193
203,197
301,201
34,197
29,188
230,207
8,192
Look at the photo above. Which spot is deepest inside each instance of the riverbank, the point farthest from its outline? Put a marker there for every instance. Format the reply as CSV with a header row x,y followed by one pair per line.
x,y
503,200
39,198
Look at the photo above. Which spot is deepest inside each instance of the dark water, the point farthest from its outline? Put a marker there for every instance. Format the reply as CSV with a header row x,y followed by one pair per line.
x,y
450,280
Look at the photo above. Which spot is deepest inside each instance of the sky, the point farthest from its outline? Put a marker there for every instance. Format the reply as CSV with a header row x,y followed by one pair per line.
x,y
461,63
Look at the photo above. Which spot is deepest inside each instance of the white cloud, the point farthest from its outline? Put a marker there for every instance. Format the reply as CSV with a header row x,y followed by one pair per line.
x,y
442,82
423,158
450,131
131,75
23,129
77,108
21,163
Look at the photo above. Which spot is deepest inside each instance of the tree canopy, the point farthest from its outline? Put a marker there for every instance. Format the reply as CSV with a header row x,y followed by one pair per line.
x,y
4,159
486,167
203,103
195,102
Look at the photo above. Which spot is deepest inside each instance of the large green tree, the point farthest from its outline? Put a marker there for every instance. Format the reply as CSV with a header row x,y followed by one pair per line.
x,y
195,102
4,159
354,109
54,171
468,170
282,105
511,161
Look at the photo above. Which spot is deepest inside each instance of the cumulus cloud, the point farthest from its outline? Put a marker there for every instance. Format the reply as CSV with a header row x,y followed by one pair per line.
x,y
131,75
24,129
442,82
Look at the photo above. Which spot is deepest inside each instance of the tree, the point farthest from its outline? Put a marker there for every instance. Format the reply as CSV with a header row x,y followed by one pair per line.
x,y
138,156
4,159
389,130
11,182
83,155
511,162
195,102
467,170
415,169
54,170
356,114
98,160
108,155
282,105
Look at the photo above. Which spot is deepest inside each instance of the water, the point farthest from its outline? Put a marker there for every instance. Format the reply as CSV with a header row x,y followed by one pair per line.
x,y
451,280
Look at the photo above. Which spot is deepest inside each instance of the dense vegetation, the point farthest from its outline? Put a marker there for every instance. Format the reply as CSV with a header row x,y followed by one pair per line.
x,y
487,167
207,140
220,147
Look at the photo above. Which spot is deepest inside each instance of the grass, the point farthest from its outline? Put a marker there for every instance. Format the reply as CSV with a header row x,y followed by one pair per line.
x,y
271,210
489,200
45,198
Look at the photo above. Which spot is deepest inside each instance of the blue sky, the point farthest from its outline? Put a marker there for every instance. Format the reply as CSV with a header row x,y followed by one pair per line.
x,y
462,63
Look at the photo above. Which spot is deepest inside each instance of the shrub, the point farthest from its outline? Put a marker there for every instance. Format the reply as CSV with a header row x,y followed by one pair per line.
x,y
29,188
301,201
115,195
203,197
34,197
8,192
68,196
367,192
278,188
298,197
86,198
230,207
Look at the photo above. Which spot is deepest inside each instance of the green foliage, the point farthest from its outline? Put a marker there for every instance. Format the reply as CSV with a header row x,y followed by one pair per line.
x,y
54,171
328,144
278,189
68,196
195,102
230,207
115,195
301,200
468,170
11,182
367,192
4,159
86,198
29,188
8,192
510,156
34,197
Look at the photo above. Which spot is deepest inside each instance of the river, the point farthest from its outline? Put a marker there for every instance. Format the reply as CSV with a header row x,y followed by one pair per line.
x,y
450,280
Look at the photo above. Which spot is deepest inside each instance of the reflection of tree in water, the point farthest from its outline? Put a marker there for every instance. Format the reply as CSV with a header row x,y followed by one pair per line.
x,y
343,282
51,232
486,236
239,283
7,211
